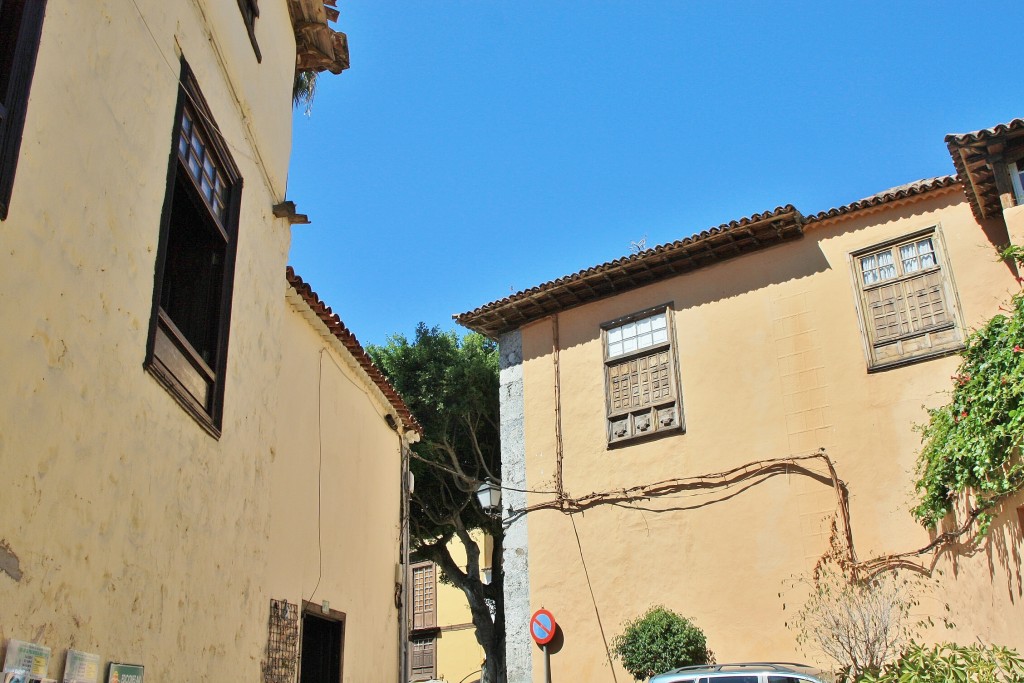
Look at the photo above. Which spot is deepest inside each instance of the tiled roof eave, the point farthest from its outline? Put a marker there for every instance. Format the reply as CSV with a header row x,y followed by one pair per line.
x,y
668,260
711,246
970,155
337,328
899,194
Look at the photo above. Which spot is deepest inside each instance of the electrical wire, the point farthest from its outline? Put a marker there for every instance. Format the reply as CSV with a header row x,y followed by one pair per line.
x,y
319,472
586,573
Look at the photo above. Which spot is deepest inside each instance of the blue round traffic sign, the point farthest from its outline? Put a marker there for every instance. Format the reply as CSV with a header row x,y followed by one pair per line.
x,y
542,626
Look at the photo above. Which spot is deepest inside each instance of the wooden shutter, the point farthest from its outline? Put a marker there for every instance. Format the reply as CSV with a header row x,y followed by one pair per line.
x,y
424,607
640,381
926,303
424,655
886,310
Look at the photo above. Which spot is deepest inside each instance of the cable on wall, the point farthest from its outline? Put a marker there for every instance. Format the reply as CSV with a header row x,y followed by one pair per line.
x,y
597,612
319,472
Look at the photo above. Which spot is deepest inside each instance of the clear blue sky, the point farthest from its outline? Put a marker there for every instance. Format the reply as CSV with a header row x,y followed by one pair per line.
x,y
478,147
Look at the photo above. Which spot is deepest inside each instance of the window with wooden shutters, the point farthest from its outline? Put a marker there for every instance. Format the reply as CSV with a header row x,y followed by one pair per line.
x,y
906,301
424,658
641,384
21,23
188,340
424,607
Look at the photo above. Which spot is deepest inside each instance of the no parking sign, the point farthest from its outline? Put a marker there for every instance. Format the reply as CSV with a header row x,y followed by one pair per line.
x,y
542,626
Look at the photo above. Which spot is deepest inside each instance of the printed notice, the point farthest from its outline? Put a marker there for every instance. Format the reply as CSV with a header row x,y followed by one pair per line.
x,y
27,658
81,667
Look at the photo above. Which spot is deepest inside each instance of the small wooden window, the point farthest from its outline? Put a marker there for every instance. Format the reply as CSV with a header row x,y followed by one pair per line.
x,y
424,605
641,384
21,24
906,301
424,658
195,262
250,12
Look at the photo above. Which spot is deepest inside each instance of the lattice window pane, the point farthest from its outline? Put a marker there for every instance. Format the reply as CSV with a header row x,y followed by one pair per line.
x,y
637,335
194,151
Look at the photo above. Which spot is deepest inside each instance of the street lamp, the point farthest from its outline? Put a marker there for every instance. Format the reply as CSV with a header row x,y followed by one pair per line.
x,y
489,495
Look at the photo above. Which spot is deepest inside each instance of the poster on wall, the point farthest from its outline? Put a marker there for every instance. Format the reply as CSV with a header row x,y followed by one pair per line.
x,y
26,658
81,667
125,673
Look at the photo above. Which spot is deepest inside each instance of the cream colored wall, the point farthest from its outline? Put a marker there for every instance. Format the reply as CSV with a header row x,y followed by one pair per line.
x,y
139,536
771,365
354,517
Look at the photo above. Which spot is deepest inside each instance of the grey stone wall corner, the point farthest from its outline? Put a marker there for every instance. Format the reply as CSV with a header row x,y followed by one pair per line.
x,y
515,559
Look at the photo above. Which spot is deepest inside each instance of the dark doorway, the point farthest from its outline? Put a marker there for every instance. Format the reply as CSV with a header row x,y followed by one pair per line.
x,y
323,640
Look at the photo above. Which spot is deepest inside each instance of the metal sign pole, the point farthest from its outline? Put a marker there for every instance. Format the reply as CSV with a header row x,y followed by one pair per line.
x,y
547,664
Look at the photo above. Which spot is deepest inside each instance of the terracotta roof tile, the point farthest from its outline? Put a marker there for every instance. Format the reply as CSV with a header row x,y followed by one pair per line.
x,y
349,341
891,195
726,241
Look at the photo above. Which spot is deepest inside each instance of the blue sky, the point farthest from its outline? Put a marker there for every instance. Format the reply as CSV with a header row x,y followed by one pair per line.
x,y
476,147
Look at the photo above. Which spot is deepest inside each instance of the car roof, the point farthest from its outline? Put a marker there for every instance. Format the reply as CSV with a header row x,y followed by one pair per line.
x,y
717,670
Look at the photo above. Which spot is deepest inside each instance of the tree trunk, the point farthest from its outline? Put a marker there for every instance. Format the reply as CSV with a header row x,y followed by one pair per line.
x,y
490,632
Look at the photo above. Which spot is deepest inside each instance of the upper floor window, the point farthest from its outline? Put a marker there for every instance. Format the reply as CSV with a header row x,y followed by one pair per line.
x,y
641,386
250,11
21,23
906,300
1017,178
195,262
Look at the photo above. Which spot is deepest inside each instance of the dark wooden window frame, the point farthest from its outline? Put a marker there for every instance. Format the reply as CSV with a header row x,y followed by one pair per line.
x,y
18,59
317,611
950,297
250,13
170,358
654,410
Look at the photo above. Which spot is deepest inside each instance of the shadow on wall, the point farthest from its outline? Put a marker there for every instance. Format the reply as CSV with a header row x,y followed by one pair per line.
x,y
1002,546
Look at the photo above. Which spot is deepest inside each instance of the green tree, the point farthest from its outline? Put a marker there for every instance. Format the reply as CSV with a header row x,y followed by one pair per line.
x,y
658,641
451,386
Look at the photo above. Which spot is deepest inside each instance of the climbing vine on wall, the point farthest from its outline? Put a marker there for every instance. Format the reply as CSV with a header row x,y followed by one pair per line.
x,y
972,445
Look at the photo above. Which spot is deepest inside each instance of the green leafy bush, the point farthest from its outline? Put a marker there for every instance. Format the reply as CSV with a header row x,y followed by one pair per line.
x,y
949,662
973,443
658,641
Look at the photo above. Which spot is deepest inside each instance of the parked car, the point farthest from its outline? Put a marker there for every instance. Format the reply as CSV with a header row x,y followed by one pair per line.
x,y
748,672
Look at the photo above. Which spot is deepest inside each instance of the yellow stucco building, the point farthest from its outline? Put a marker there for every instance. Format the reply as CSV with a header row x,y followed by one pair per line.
x,y
674,416
203,472
442,635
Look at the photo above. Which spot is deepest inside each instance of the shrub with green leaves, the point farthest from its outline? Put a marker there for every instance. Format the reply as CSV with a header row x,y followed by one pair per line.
x,y
658,641
948,662
972,445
